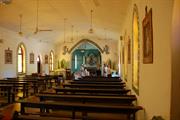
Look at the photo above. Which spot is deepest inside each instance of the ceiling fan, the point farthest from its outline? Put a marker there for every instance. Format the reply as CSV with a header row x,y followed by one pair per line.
x,y
37,22
5,2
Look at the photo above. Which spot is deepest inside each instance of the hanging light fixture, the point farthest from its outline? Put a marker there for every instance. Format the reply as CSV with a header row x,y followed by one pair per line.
x,y
20,25
72,32
37,17
91,26
37,20
65,30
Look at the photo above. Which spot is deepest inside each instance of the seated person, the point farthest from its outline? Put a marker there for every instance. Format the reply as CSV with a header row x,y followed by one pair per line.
x,y
86,72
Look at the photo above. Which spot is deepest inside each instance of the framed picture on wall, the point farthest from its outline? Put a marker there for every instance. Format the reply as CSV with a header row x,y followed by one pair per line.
x,y
106,49
147,38
46,59
31,61
8,56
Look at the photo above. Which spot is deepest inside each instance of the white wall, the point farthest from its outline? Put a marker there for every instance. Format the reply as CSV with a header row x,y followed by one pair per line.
x,y
154,79
11,41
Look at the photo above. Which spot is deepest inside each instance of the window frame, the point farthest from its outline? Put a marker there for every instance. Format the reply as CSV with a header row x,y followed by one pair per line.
x,y
21,51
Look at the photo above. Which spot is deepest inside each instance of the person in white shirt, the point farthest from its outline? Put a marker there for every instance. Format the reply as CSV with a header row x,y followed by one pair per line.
x,y
86,72
105,70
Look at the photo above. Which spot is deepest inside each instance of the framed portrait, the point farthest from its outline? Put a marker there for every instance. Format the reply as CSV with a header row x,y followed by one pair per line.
x,y
46,59
147,38
31,60
8,56
65,50
106,49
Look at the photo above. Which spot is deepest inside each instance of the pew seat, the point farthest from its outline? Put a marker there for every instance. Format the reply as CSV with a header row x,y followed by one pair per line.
x,y
92,82
128,110
19,116
67,115
91,91
96,86
121,100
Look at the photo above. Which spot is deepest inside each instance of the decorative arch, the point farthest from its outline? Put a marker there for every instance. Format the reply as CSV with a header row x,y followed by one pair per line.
x,y
21,58
85,40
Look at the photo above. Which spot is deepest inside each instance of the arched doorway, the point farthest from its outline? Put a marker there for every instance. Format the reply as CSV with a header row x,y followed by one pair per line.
x,y
38,64
87,54
21,59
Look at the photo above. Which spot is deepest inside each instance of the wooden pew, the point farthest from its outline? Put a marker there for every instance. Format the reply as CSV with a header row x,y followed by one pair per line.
x,y
50,79
37,81
57,78
8,88
92,82
18,116
47,80
17,85
34,82
99,80
84,108
96,86
91,91
121,100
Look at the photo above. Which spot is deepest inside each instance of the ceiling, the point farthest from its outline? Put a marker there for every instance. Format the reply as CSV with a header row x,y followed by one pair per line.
x,y
107,17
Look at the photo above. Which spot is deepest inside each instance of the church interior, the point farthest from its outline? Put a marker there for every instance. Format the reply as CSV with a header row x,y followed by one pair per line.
x,y
89,59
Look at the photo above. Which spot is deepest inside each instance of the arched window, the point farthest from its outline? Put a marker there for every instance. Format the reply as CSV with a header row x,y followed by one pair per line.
x,y
38,64
135,51
51,61
21,59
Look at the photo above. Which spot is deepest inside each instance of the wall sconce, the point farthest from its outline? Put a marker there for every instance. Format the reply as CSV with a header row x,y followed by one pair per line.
x,y
106,49
65,50
121,38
